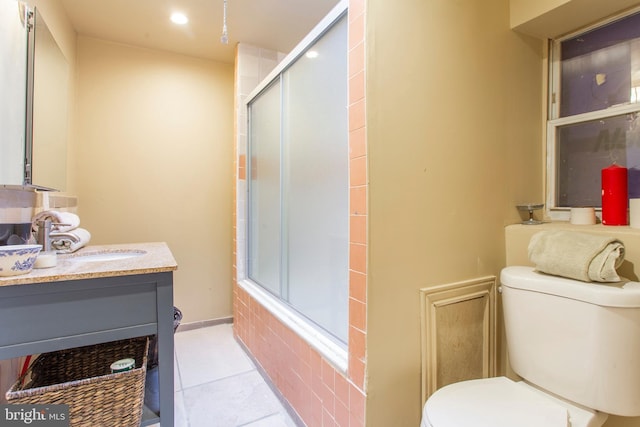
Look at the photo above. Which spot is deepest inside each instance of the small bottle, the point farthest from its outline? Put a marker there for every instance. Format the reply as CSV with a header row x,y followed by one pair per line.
x,y
122,365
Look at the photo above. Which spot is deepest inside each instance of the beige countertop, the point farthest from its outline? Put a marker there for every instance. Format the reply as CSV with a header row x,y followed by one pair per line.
x,y
154,258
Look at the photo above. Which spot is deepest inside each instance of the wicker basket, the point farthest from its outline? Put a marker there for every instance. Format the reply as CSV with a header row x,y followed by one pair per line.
x,y
82,378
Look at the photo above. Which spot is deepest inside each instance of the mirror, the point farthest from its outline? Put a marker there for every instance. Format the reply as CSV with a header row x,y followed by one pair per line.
x,y
34,114
13,87
49,82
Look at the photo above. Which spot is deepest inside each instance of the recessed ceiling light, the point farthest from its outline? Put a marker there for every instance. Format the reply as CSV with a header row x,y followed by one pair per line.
x,y
179,18
312,54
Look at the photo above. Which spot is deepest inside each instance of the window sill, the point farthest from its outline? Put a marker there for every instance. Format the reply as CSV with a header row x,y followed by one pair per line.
x,y
334,353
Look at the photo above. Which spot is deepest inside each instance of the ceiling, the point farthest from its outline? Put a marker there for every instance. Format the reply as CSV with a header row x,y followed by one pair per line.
x,y
273,24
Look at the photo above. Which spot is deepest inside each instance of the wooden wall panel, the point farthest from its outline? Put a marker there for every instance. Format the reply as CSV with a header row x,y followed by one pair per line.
x,y
458,333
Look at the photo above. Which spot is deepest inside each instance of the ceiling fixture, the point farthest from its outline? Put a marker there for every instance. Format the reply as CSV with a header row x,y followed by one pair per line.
x,y
179,18
225,36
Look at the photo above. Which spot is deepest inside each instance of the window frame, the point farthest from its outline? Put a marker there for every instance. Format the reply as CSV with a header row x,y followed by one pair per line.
x,y
561,213
554,122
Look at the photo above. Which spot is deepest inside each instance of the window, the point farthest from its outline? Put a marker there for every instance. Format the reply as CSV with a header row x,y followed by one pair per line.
x,y
594,108
298,213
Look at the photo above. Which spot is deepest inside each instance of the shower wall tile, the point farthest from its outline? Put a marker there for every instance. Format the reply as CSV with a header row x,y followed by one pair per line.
x,y
358,229
248,83
358,257
356,375
358,286
358,183
242,166
356,87
248,64
357,343
358,200
356,115
242,139
356,9
319,393
358,171
356,59
357,314
357,144
356,28
268,61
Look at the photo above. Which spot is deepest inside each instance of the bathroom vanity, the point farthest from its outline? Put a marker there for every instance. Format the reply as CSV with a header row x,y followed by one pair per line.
x,y
98,294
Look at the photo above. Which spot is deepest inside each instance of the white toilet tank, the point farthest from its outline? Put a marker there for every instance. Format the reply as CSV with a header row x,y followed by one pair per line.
x,y
578,340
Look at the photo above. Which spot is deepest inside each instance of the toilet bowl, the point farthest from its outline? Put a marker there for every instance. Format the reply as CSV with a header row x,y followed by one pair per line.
x,y
501,402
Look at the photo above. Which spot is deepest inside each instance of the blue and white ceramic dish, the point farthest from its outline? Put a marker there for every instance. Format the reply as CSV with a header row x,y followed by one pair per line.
x,y
18,259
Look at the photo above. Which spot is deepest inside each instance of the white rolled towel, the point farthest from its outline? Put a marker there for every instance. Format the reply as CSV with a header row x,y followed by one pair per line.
x,y
581,256
70,241
71,220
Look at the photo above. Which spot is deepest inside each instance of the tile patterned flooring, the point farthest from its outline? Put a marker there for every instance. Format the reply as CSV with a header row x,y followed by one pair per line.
x,y
218,385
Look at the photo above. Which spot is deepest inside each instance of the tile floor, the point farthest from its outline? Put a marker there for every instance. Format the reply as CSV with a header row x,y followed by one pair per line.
x,y
217,384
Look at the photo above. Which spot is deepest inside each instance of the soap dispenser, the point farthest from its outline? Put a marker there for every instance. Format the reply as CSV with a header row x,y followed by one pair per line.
x,y
47,257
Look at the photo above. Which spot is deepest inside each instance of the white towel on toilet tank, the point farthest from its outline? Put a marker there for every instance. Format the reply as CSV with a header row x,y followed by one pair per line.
x,y
581,256
70,241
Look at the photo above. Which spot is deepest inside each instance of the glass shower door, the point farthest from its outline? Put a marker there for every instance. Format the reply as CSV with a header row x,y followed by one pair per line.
x,y
299,184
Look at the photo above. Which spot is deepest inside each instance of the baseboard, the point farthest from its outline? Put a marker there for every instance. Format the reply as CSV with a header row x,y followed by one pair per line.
x,y
204,323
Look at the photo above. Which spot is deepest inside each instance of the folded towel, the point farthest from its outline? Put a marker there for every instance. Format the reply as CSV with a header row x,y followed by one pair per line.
x,y
581,256
70,220
69,241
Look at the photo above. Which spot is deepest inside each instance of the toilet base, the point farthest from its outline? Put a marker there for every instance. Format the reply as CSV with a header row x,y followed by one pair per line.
x,y
501,402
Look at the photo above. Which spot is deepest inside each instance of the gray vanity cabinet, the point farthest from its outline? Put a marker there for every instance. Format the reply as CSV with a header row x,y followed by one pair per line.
x,y
49,316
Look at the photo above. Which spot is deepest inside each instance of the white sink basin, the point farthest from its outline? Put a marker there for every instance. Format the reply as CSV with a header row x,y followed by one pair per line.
x,y
104,256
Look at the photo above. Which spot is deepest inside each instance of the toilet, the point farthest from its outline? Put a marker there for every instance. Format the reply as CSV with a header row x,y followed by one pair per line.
x,y
576,347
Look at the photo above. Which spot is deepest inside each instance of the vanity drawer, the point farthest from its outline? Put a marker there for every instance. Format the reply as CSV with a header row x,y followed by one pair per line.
x,y
90,310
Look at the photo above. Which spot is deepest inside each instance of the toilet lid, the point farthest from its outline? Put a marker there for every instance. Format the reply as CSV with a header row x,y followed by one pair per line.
x,y
493,402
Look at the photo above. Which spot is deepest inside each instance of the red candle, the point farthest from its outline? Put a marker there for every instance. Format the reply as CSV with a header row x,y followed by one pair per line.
x,y
614,195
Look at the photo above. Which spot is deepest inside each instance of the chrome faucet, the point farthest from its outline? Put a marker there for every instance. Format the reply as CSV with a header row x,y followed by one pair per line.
x,y
44,233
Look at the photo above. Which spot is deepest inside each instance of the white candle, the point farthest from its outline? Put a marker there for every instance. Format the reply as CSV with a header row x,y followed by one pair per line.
x,y
634,213
583,216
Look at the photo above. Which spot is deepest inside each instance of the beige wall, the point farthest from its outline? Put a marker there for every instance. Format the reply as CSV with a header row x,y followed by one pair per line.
x,y
150,156
454,130
154,162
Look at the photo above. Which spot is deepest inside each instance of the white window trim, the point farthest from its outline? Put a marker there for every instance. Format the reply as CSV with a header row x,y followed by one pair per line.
x,y
554,212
